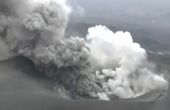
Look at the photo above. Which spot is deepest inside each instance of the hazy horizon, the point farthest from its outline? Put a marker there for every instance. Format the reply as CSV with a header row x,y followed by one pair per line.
x,y
151,16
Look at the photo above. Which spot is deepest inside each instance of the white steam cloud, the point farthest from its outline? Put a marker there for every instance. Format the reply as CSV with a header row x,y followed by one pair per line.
x,y
103,65
122,63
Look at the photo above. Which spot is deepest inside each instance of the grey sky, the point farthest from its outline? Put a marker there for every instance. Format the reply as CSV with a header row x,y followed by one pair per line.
x,y
152,15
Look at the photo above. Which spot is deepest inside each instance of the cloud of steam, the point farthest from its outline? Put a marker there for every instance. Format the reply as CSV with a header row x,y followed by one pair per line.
x,y
122,64
106,64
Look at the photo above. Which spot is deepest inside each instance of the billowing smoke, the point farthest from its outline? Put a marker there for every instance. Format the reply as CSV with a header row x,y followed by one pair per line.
x,y
122,63
38,34
103,65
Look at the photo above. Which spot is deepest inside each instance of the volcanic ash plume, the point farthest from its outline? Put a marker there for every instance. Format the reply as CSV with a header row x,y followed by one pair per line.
x,y
103,65
38,34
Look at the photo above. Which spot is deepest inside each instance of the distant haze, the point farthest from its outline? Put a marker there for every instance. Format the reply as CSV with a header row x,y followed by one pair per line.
x,y
150,16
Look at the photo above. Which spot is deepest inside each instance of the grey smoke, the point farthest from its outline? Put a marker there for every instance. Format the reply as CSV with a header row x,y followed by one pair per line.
x,y
38,33
39,36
